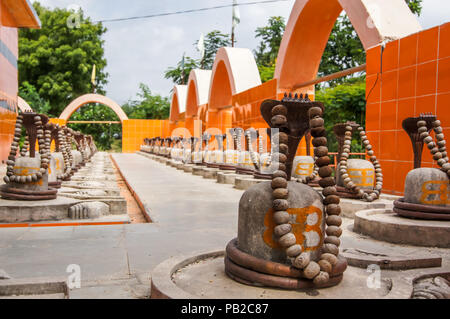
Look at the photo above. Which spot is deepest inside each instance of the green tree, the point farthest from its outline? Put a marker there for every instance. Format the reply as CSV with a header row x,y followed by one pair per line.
x,y
214,40
344,102
57,59
103,133
29,93
147,105
180,73
267,50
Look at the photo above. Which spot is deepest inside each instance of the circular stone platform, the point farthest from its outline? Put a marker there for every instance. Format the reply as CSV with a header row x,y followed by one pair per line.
x,y
203,276
387,226
13,211
350,207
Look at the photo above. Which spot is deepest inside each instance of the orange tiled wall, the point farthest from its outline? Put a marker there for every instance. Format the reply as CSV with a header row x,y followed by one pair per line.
x,y
8,88
134,132
414,78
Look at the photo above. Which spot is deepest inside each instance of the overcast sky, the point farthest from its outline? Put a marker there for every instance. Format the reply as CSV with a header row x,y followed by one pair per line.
x,y
141,50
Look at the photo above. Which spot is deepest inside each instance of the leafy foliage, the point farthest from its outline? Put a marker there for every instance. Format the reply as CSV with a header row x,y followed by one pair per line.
x,y
147,106
267,51
103,133
344,49
58,60
214,40
180,74
344,102
29,93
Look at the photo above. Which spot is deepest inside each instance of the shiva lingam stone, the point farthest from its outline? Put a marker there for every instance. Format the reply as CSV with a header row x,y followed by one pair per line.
x,y
229,155
244,165
288,234
56,168
356,178
266,166
79,142
215,157
156,145
174,152
197,154
427,190
218,154
304,168
91,145
152,145
27,176
207,154
146,146
169,147
62,156
162,148
76,157
186,151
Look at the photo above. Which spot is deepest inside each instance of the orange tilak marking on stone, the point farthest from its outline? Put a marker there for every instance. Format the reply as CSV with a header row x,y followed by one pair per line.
x,y
443,192
365,179
299,227
304,169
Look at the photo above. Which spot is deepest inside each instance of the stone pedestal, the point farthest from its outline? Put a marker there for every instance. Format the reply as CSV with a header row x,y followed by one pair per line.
x,y
210,173
187,168
387,226
226,177
197,170
245,182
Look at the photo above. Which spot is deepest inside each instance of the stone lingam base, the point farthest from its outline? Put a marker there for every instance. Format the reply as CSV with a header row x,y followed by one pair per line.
x,y
350,207
203,276
385,225
244,182
62,209
226,177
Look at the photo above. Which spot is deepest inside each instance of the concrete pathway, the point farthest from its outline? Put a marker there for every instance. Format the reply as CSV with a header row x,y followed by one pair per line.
x,y
190,214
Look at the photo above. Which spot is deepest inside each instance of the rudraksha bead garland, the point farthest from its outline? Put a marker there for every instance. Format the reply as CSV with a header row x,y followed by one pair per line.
x,y
348,183
438,149
10,177
320,271
25,146
65,152
307,179
68,142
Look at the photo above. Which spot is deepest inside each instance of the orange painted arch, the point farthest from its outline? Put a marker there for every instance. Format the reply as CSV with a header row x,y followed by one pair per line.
x,y
197,90
310,24
92,98
23,105
178,102
234,71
